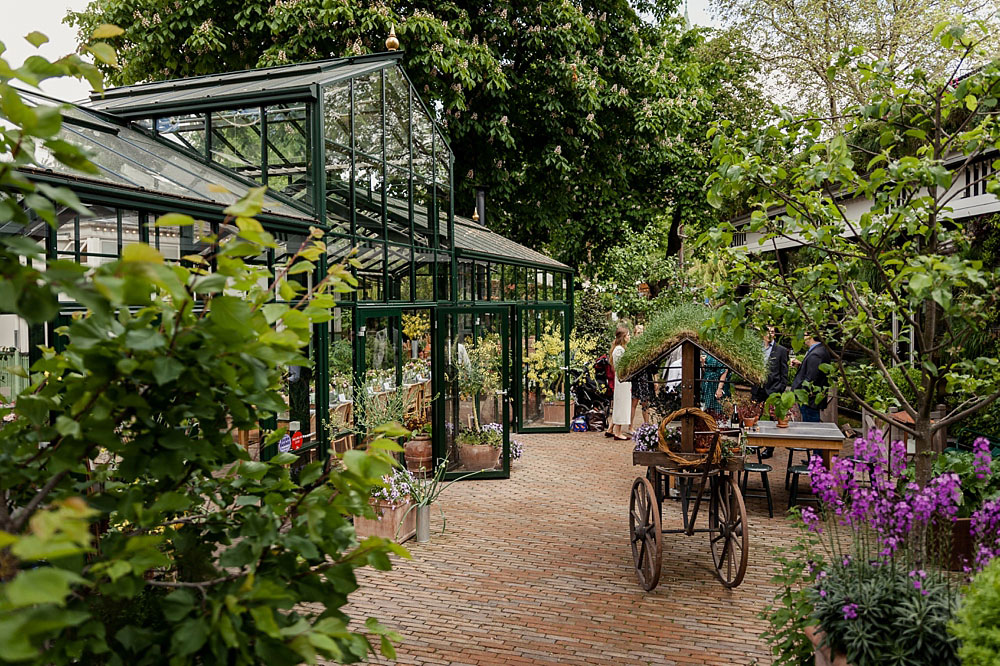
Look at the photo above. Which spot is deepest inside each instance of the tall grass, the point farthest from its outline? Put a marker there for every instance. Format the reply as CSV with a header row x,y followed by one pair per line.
x,y
668,327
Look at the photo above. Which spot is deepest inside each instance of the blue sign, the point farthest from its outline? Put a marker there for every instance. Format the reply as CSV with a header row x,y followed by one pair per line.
x,y
285,444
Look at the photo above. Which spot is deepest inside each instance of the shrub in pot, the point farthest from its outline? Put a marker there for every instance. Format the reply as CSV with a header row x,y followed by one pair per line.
x,y
418,451
479,448
979,481
782,404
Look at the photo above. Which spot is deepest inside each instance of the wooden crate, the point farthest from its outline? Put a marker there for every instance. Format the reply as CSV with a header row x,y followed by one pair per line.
x,y
391,524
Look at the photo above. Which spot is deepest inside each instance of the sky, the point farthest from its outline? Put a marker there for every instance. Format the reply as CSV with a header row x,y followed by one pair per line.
x,y
45,16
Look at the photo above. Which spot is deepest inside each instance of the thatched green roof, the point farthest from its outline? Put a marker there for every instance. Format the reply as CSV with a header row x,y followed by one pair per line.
x,y
668,328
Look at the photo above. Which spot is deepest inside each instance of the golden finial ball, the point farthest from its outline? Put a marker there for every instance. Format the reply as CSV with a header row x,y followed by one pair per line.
x,y
391,42
475,215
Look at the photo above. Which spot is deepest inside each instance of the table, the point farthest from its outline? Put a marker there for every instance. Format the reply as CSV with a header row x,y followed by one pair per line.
x,y
825,437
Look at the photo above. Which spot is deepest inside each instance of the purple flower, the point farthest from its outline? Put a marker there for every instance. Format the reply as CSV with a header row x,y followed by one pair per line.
x,y
985,528
982,459
850,611
811,518
516,449
646,438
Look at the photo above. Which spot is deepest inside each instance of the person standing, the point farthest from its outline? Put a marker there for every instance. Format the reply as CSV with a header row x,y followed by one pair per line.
x,y
714,385
620,412
810,376
776,377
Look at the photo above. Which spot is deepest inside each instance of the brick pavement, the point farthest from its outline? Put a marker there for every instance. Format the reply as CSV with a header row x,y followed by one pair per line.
x,y
537,569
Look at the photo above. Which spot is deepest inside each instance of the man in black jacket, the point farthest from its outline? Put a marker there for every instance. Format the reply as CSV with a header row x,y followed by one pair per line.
x,y
776,381
809,373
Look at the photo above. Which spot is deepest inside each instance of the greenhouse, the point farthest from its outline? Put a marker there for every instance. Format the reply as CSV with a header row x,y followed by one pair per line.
x,y
348,146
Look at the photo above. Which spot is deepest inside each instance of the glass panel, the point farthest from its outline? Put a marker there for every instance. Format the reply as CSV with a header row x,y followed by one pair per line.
x,y
399,273
338,186
381,344
398,204
288,144
14,347
466,275
543,355
236,141
98,236
397,119
482,283
368,114
185,130
416,367
371,276
421,206
495,286
473,402
341,377
443,277
424,270
423,139
368,196
337,116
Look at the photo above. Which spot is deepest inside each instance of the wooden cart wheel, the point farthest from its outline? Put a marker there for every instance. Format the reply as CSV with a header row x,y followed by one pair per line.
x,y
645,533
730,541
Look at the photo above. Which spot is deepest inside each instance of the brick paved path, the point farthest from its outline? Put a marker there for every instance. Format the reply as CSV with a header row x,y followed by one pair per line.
x,y
537,569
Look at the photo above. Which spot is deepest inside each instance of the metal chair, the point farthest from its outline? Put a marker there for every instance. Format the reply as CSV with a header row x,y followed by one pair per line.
x,y
795,472
759,467
791,463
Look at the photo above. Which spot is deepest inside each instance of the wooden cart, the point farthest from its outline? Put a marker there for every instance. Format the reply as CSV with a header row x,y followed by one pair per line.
x,y
727,529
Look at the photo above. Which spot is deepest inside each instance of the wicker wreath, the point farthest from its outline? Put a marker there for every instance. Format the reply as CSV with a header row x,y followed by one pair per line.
x,y
710,424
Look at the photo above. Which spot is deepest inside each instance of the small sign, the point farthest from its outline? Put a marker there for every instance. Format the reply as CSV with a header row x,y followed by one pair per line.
x,y
296,440
285,444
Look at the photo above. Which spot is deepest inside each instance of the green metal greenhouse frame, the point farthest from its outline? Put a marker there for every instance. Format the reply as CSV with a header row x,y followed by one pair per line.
x,y
345,145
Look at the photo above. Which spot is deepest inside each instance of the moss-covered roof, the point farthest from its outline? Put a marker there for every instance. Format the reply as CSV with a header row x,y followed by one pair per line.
x,y
670,327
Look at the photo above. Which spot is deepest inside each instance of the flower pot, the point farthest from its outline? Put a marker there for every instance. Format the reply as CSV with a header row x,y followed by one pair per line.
x,y
478,456
783,423
418,455
749,421
824,656
554,412
423,523
389,523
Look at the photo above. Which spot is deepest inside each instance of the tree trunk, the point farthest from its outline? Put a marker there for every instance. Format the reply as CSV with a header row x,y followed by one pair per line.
x,y
925,448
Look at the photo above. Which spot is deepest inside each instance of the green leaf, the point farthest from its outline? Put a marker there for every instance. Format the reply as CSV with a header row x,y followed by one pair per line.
x,y
249,205
166,369
141,253
103,52
45,585
36,38
230,312
174,220
189,637
107,31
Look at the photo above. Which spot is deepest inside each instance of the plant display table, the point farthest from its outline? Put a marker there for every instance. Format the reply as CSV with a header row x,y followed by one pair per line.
x,y
825,437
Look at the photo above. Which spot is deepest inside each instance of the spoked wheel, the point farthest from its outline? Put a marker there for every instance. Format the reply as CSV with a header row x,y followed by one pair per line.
x,y
730,542
645,534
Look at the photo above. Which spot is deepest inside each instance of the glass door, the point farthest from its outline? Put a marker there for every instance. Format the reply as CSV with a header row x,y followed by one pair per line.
x,y
543,393
472,354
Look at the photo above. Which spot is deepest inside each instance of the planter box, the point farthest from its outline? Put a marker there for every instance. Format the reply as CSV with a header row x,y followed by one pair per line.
x,y
824,657
390,524
554,413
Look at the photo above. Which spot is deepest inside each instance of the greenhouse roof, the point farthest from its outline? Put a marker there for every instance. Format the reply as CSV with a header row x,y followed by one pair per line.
x,y
473,239
254,86
129,158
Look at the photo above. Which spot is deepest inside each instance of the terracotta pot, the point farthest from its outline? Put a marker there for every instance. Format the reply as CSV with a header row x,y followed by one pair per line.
x,y
783,423
478,456
824,656
749,422
555,412
390,522
418,455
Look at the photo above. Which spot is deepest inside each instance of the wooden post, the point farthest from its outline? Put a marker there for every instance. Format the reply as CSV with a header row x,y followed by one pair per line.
x,y
689,357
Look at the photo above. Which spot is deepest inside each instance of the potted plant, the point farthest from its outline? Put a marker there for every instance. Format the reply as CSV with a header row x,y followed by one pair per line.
x,y
417,450
548,367
782,404
979,481
479,448
371,410
391,504
415,327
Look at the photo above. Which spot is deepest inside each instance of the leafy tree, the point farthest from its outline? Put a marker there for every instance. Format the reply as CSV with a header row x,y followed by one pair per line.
x,y
133,529
581,120
800,183
801,42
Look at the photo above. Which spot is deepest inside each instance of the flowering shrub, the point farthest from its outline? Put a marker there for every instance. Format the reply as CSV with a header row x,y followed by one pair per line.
x,y
985,531
881,597
397,488
978,475
646,438
491,434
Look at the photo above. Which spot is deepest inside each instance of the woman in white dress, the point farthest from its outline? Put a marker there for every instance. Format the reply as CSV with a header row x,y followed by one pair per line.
x,y
621,412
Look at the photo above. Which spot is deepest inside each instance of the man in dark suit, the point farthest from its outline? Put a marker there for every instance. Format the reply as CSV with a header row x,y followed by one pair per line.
x,y
809,373
776,381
